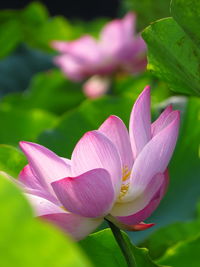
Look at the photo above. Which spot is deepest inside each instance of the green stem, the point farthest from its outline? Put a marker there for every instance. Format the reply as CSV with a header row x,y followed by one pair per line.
x,y
125,248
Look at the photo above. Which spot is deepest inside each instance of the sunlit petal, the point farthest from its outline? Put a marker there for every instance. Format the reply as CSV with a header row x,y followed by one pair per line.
x,y
91,194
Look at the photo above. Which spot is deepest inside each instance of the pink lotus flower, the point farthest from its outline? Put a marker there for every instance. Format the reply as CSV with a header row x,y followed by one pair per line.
x,y
117,49
112,174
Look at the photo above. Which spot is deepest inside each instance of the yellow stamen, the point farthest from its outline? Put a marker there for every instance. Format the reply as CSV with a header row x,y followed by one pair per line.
x,y
124,189
125,176
62,207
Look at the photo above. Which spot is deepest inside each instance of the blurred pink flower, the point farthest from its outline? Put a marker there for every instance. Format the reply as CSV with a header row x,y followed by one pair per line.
x,y
112,174
116,50
96,86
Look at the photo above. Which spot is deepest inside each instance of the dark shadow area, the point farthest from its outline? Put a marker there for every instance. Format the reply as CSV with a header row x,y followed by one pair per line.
x,y
81,9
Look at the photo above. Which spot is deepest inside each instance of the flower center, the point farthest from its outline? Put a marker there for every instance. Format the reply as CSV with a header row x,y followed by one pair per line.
x,y
125,173
125,183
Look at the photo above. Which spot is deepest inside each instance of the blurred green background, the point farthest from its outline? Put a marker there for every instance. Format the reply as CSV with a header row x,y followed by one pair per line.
x,y
38,103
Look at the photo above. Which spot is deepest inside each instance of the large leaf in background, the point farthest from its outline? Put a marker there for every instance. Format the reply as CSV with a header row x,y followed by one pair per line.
x,y
180,201
103,250
10,37
49,91
187,15
146,10
88,116
17,69
23,124
168,236
12,160
26,241
173,48
184,254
